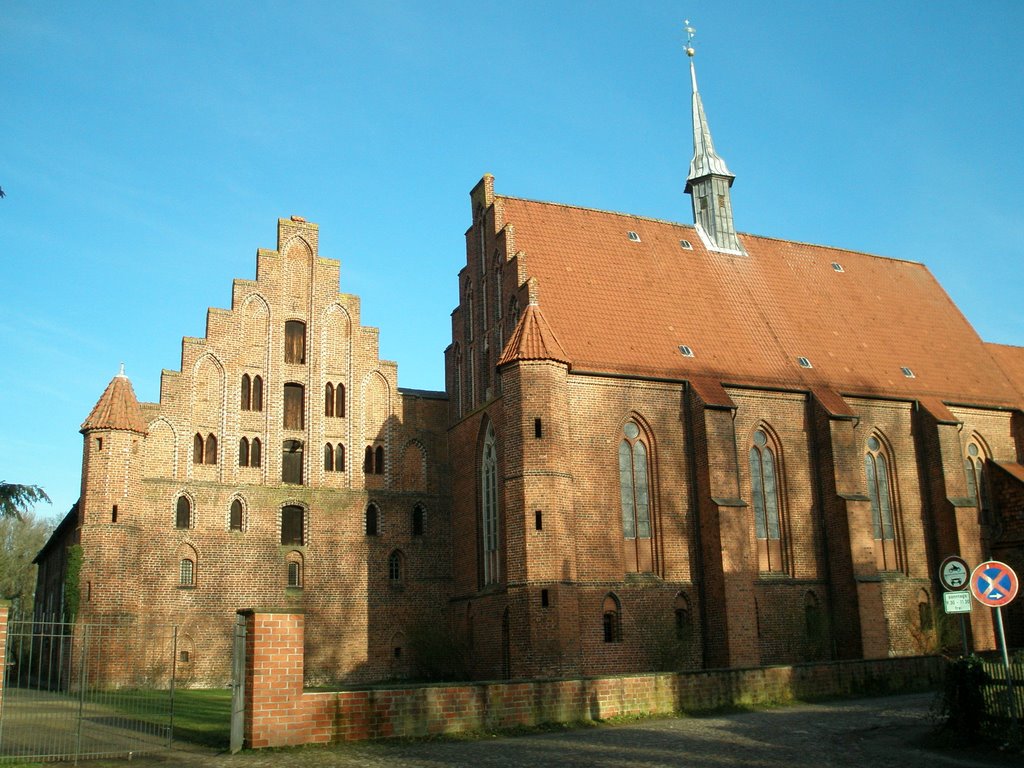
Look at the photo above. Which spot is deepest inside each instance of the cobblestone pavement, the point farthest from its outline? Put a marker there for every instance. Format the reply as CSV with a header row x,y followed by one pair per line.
x,y
863,733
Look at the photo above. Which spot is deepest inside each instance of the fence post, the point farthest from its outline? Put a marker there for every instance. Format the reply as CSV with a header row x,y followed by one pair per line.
x,y
5,608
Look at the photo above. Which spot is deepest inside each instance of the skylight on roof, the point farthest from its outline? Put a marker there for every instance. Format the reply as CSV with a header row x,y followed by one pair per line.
x,y
686,244
908,373
837,266
804,362
685,351
633,236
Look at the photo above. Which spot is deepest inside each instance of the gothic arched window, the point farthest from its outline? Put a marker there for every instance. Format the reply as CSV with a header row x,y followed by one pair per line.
x,y
489,509
883,518
634,490
977,480
764,492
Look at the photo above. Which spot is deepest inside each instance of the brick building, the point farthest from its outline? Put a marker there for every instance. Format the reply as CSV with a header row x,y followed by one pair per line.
x,y
661,446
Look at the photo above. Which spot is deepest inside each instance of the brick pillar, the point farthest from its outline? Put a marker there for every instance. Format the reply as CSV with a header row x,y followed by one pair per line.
x,y
273,679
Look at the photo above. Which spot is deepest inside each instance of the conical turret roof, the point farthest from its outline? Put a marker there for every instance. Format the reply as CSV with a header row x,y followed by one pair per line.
x,y
533,339
117,408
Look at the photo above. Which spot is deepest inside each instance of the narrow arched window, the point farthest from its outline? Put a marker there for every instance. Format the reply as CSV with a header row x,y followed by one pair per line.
x,y
611,619
634,492
211,450
328,458
395,567
295,342
197,449
339,458
339,400
378,461
294,574
294,406
291,462
368,460
489,508
255,453
372,522
417,520
257,393
246,392
183,513
977,480
764,492
293,524
243,452
329,400
815,628
925,617
235,522
877,473
683,619
187,573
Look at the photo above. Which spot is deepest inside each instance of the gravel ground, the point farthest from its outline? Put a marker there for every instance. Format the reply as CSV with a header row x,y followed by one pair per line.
x,y
878,733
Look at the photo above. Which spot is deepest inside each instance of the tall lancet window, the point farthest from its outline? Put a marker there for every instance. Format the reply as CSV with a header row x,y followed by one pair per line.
x,y
491,570
977,480
764,492
634,489
877,471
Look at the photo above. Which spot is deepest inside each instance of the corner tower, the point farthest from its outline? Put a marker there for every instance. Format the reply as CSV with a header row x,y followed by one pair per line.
x,y
709,179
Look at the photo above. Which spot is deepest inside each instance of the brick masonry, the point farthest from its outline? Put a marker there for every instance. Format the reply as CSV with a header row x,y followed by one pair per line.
x,y
279,712
696,595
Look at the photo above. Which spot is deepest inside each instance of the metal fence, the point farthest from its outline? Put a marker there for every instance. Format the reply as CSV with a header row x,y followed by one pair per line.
x,y
999,711
80,689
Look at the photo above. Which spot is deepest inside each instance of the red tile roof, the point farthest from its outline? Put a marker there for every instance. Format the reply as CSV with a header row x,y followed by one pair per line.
x,y
1011,361
117,408
620,306
533,339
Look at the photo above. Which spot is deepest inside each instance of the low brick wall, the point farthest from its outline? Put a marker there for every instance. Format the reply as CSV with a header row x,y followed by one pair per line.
x,y
279,712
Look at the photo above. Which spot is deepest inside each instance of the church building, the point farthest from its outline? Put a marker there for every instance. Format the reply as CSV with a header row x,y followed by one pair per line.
x,y
661,446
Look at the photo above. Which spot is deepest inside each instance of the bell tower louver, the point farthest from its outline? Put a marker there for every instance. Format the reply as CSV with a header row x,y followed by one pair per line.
x,y
709,179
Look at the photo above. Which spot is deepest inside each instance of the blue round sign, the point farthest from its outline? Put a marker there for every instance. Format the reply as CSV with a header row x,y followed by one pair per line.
x,y
994,583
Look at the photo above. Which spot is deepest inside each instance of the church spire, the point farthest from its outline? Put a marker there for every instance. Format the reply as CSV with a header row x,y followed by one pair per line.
x,y
710,179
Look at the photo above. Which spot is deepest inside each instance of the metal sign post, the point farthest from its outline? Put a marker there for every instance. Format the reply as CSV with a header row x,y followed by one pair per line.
x,y
995,584
953,576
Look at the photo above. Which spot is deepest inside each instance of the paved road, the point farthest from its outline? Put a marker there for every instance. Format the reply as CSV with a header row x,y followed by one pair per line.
x,y
864,733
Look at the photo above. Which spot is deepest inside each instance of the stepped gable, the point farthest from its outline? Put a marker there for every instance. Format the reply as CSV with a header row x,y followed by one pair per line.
x,y
117,408
533,339
623,305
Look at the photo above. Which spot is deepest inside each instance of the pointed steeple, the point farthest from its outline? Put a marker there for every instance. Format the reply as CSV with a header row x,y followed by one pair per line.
x,y
710,179
117,408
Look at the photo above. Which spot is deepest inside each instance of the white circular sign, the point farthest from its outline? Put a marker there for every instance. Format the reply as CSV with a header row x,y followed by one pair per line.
x,y
954,573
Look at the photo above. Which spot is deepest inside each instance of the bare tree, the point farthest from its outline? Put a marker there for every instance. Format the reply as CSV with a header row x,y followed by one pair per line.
x,y
21,537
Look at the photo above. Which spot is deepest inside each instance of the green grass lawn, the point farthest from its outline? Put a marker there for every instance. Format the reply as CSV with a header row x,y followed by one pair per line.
x,y
200,716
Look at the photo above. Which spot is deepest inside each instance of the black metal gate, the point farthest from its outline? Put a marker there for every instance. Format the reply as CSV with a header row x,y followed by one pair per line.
x,y
75,690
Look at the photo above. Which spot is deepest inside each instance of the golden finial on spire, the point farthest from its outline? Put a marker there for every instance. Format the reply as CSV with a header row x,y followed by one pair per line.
x,y
690,34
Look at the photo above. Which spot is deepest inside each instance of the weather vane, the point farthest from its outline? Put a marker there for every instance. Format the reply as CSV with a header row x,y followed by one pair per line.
x,y
690,33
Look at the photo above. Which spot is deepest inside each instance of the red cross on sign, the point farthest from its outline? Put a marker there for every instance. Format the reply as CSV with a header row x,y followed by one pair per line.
x,y
994,584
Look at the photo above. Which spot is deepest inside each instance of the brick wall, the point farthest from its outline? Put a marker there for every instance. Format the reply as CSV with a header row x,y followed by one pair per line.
x,y
280,713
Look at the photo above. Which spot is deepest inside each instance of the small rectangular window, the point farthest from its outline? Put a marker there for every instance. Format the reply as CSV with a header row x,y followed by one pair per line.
x,y
538,520
294,575
183,657
544,600
113,514
99,443
295,342
538,428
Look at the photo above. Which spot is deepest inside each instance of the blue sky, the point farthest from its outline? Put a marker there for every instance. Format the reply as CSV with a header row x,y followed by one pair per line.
x,y
148,149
